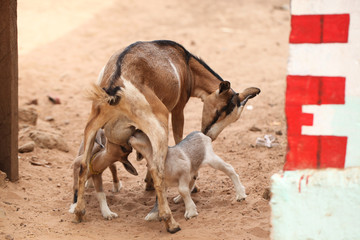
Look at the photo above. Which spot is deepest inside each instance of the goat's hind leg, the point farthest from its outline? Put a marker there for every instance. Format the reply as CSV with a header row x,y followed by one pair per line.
x,y
76,169
153,215
217,163
184,190
91,128
192,186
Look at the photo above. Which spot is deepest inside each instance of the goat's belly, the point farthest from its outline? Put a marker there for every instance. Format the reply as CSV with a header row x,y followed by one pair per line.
x,y
171,182
118,132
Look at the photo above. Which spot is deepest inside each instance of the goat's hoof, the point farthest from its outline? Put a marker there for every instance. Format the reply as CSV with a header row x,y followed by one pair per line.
x,y
110,216
152,216
80,216
241,197
195,189
116,187
191,214
173,230
177,199
149,187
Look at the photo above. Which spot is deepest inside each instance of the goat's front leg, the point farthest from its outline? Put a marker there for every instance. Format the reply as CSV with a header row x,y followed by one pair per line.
x,y
116,181
217,163
184,190
101,196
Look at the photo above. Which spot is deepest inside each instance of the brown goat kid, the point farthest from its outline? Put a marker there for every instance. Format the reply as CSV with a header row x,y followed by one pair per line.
x,y
138,88
97,165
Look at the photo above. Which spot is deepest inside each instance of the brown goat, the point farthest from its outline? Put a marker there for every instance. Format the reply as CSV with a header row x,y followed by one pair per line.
x,y
138,89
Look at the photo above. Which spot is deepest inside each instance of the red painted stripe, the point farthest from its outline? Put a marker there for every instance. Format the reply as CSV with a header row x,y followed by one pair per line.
x,y
312,151
336,28
333,152
315,152
305,29
320,28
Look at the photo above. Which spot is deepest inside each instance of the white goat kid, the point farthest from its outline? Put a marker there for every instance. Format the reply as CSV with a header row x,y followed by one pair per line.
x,y
182,164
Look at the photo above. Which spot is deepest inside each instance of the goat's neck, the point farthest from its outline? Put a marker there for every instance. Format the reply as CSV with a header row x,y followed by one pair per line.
x,y
204,82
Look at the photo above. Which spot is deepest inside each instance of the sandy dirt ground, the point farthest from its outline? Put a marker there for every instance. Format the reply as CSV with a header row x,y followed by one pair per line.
x,y
62,47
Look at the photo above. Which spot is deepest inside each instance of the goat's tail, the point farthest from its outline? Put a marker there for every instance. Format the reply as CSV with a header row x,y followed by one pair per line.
x,y
100,96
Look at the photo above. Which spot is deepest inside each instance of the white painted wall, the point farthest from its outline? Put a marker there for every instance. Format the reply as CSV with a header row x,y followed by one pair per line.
x,y
316,205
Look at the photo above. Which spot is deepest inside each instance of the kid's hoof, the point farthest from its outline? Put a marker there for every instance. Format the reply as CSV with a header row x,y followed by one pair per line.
x,y
117,187
110,216
191,214
241,197
177,199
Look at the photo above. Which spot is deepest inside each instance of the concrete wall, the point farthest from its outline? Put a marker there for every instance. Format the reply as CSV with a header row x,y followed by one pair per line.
x,y
318,194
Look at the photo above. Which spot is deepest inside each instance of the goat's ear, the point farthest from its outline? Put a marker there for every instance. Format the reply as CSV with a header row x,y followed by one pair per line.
x,y
129,167
248,94
224,87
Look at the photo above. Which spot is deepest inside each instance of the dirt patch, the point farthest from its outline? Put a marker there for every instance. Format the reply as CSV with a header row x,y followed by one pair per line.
x,y
243,41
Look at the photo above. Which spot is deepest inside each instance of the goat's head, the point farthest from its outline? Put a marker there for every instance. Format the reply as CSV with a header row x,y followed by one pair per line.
x,y
222,107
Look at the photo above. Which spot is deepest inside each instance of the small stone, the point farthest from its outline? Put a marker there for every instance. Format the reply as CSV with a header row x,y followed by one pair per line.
x,y
54,100
49,140
49,119
32,102
255,129
267,194
2,178
2,213
28,115
27,147
279,132
9,237
37,162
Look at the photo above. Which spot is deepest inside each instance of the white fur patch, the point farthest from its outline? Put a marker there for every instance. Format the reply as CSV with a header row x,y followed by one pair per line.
x,y
101,74
175,71
72,207
105,210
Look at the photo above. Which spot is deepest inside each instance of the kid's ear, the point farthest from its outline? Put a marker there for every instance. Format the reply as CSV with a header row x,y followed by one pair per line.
x,y
224,87
129,167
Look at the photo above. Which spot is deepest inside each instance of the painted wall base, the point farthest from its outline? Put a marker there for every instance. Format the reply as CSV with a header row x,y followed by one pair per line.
x,y
316,204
